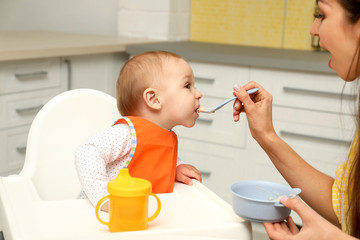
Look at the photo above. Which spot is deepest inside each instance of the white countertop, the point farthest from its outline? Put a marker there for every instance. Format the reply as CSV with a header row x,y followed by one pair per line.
x,y
275,58
18,45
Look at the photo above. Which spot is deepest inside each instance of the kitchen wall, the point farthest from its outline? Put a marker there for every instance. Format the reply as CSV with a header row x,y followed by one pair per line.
x,y
267,23
155,19
79,16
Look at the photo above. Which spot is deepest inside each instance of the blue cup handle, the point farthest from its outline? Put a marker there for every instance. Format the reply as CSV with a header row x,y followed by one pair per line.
x,y
297,191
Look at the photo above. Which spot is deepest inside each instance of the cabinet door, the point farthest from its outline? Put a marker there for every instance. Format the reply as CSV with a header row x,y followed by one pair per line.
x,y
12,149
220,165
322,139
25,86
20,76
218,80
98,71
308,90
217,128
20,109
216,144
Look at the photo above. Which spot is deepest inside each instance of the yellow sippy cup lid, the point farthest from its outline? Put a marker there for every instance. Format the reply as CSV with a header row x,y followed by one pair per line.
x,y
126,186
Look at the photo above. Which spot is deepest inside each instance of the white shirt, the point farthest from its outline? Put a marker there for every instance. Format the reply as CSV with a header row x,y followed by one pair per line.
x,y
99,159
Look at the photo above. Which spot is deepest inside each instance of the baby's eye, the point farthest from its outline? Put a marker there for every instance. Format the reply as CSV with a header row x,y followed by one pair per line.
x,y
188,85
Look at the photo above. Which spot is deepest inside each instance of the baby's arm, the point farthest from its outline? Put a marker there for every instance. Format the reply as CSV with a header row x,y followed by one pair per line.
x,y
97,160
185,173
91,169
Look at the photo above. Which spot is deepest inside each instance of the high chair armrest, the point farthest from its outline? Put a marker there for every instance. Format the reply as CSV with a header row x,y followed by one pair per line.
x,y
190,212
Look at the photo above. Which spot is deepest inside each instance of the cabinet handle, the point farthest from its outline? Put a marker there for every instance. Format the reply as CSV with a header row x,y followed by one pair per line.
x,y
29,109
31,75
314,138
205,121
68,66
205,173
21,149
205,79
317,92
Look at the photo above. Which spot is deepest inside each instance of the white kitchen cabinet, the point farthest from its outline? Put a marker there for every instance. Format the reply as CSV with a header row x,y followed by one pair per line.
x,y
307,90
96,71
216,145
312,112
13,148
25,87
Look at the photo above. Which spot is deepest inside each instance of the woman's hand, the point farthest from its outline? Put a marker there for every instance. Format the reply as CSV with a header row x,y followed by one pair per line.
x,y
185,173
258,109
314,226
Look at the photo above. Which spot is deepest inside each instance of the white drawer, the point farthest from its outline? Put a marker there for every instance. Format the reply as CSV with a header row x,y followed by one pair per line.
x,y
218,128
20,76
12,149
325,161
322,139
218,80
20,109
220,165
314,127
307,90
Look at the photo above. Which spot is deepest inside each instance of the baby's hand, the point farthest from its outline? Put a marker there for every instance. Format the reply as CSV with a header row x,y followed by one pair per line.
x,y
186,172
105,206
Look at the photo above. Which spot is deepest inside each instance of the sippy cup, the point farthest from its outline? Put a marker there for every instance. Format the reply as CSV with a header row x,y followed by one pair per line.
x,y
129,199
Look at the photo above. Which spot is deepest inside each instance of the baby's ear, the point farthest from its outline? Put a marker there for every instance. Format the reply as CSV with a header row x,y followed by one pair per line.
x,y
151,98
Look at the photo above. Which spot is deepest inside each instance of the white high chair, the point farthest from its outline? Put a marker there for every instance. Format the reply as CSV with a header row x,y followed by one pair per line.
x,y
58,129
41,202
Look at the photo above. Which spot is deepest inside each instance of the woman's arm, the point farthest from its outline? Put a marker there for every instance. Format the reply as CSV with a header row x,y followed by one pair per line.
x,y
316,186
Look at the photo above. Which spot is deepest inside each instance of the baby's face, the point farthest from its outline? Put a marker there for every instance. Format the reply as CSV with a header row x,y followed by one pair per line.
x,y
180,99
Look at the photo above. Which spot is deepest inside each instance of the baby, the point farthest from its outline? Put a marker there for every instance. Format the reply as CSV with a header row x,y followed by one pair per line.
x,y
155,93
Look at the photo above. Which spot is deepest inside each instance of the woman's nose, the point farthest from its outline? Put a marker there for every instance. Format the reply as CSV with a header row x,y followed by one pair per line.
x,y
314,30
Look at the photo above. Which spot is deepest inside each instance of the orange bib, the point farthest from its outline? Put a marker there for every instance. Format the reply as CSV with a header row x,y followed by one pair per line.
x,y
153,153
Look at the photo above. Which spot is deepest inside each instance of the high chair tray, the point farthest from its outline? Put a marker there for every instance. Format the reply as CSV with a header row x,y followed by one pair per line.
x,y
190,212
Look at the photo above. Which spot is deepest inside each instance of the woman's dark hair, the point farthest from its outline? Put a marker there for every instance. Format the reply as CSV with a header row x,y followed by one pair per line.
x,y
352,9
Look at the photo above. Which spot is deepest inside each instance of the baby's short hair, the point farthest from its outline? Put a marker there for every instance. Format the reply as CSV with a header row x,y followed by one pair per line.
x,y
138,74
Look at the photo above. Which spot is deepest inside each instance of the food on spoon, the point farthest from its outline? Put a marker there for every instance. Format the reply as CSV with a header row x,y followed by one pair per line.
x,y
291,195
201,109
275,199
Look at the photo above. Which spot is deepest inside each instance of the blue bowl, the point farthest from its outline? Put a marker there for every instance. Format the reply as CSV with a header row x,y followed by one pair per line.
x,y
259,201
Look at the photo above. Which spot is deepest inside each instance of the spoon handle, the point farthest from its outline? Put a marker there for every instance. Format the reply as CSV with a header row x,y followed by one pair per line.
x,y
250,91
216,107
253,90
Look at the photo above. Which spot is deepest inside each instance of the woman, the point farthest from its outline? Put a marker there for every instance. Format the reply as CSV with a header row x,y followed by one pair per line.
x,y
338,26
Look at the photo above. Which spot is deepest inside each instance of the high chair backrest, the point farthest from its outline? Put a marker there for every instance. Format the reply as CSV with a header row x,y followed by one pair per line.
x,y
57,130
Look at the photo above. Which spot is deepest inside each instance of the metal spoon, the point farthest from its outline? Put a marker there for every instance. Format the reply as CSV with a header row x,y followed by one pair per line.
x,y
216,107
